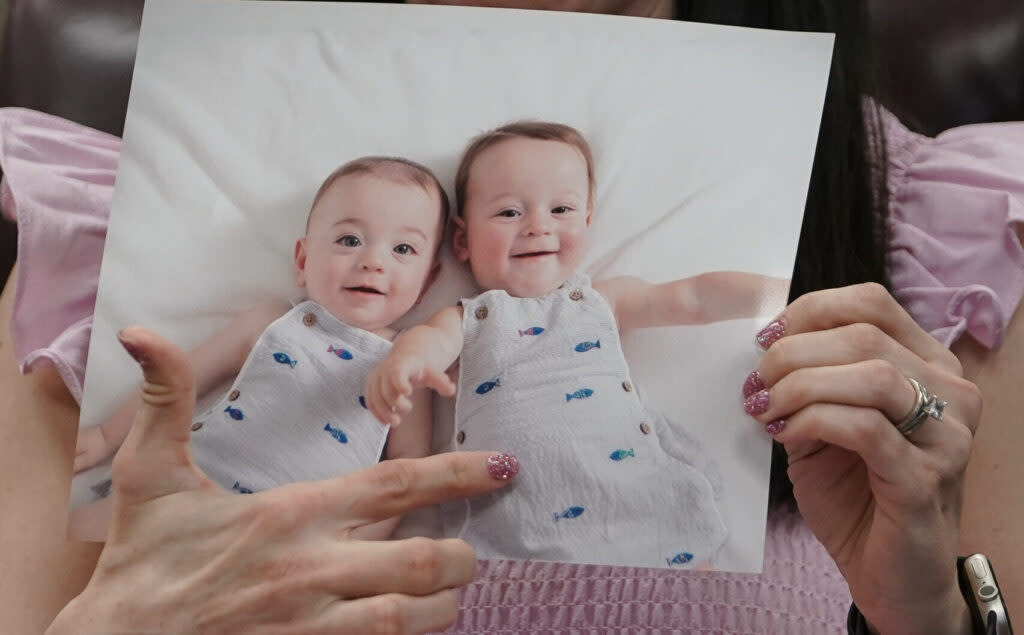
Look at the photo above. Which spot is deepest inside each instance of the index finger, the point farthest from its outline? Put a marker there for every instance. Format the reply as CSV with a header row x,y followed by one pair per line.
x,y
867,303
395,487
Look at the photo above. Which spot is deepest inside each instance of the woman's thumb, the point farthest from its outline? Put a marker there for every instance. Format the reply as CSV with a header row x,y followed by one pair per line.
x,y
155,459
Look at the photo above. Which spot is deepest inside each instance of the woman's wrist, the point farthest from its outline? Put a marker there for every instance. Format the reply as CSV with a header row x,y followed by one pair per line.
x,y
955,620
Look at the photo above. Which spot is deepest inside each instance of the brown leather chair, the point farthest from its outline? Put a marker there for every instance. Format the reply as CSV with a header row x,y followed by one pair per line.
x,y
943,63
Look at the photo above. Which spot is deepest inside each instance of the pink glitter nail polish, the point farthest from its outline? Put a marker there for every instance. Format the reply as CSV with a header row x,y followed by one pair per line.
x,y
757,403
775,427
752,384
502,467
771,333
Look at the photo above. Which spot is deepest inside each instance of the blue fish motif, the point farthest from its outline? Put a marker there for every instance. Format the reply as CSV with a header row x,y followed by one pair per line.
x,y
336,433
572,512
241,490
362,401
282,358
582,393
533,330
486,387
340,352
618,455
680,558
583,347
102,489
235,413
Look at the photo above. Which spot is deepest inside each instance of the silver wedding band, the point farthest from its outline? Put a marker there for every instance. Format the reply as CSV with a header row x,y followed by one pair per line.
x,y
925,405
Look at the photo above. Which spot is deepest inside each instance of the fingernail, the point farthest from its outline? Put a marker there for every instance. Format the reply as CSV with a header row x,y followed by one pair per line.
x,y
132,349
502,467
757,403
775,427
752,384
771,333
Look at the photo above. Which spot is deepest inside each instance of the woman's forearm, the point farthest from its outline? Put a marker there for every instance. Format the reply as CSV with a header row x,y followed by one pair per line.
x,y
42,568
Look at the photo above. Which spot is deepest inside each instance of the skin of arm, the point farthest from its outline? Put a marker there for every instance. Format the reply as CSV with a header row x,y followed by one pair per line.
x,y
993,506
215,360
418,359
701,299
42,568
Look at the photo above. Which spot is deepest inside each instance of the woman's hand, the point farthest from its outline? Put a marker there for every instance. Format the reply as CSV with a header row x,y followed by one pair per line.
x,y
185,557
831,385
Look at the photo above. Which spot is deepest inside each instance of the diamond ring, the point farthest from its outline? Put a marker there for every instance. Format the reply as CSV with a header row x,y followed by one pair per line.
x,y
926,405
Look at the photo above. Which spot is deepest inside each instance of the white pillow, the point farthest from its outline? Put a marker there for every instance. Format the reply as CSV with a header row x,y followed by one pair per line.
x,y
703,138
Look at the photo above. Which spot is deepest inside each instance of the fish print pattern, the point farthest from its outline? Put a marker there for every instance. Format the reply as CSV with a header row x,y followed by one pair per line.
x,y
487,386
241,490
336,433
283,358
362,401
680,558
572,512
618,455
340,352
583,347
235,413
533,330
582,393
102,489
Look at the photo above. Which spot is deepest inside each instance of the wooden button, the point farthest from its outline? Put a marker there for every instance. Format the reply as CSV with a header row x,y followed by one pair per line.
x,y
233,395
575,295
628,387
461,436
646,429
309,319
481,312
197,425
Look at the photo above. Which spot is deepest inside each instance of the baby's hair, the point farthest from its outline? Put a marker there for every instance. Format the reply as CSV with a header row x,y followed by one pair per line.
x,y
530,129
393,168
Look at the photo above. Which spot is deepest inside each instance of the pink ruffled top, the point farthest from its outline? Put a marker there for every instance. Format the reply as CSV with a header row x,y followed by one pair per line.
x,y
956,265
955,204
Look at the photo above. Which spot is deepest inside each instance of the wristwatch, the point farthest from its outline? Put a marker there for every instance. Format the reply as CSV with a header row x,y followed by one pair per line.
x,y
980,589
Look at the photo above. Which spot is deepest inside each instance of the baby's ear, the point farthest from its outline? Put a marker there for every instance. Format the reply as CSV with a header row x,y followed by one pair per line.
x,y
590,213
300,262
460,245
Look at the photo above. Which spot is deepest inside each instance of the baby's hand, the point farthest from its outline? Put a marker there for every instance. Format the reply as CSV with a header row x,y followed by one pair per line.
x,y
389,386
91,448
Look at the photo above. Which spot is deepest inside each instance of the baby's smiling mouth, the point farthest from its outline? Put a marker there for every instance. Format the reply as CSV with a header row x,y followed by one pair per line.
x,y
534,254
364,290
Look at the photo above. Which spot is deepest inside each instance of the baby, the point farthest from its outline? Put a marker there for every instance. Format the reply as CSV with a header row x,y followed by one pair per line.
x,y
542,374
295,411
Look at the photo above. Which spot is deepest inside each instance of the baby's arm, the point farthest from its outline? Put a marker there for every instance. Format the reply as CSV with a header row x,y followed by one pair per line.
x,y
418,359
214,361
704,298
411,440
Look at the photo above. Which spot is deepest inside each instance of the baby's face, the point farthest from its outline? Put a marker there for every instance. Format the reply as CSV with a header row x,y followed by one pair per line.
x,y
369,251
525,218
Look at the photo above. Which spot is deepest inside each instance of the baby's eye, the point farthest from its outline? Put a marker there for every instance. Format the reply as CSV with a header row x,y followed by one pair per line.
x,y
561,209
405,249
348,240
509,213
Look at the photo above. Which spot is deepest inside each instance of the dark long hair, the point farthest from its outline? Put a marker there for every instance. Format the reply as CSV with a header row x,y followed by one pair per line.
x,y
843,239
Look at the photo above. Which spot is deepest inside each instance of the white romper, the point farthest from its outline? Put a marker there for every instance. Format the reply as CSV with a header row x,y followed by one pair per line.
x,y
295,412
545,379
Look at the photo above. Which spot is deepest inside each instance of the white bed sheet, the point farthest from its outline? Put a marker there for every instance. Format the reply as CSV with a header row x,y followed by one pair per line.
x,y
703,138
